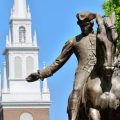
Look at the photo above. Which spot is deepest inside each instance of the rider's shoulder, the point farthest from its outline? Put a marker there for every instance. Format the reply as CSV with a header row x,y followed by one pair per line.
x,y
70,41
73,40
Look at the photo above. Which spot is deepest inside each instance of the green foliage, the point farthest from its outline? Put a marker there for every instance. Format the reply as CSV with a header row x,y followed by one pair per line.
x,y
110,6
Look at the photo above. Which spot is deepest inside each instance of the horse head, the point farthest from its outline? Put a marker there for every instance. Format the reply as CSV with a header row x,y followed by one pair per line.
x,y
106,44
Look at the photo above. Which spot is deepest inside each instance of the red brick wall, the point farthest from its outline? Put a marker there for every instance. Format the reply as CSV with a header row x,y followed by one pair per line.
x,y
37,113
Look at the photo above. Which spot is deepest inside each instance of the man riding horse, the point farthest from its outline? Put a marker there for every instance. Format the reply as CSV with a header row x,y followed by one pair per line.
x,y
84,47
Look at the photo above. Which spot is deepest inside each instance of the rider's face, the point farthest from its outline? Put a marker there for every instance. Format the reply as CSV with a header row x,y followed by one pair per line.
x,y
86,28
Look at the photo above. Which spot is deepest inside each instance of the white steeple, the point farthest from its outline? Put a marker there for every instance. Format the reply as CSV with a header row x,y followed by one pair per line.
x,y
19,9
21,59
21,25
21,56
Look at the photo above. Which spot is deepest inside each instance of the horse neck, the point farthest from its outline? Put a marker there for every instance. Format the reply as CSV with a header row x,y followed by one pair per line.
x,y
102,58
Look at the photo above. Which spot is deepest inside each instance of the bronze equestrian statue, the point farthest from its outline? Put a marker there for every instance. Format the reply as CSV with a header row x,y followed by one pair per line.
x,y
101,93
95,55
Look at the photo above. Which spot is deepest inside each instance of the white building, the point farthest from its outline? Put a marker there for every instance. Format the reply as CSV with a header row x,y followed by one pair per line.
x,y
21,100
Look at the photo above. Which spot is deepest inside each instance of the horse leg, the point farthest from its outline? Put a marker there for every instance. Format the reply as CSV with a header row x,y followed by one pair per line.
x,y
94,114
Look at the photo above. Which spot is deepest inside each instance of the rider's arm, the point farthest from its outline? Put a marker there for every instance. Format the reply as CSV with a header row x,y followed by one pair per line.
x,y
60,61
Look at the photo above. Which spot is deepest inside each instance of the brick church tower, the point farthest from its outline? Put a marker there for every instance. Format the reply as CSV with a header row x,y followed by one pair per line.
x,y
21,100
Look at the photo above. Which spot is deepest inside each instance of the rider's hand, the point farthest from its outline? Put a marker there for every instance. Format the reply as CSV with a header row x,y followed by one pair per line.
x,y
34,77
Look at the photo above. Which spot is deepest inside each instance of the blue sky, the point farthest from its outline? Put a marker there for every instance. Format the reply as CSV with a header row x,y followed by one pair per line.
x,y
55,23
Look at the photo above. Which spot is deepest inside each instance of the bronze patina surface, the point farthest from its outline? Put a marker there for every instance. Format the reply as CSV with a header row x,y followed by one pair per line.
x,y
96,89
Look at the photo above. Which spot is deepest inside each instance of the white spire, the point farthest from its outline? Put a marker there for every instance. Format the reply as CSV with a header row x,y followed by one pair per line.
x,y
45,89
28,12
11,15
7,41
45,86
5,82
20,9
9,38
35,39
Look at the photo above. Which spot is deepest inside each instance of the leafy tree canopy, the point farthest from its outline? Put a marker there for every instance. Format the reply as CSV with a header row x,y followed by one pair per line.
x,y
110,6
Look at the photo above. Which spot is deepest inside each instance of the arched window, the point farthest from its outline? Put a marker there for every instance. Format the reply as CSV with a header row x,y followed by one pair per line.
x,y
22,34
26,116
18,67
29,65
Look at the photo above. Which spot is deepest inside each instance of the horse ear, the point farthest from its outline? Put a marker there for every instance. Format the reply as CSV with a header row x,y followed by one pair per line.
x,y
112,17
107,22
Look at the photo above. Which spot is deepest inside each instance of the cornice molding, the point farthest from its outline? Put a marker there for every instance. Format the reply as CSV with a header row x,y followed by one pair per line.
x,y
28,104
20,49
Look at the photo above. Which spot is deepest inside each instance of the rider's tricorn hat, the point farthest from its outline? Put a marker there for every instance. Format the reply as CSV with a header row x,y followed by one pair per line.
x,y
85,16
